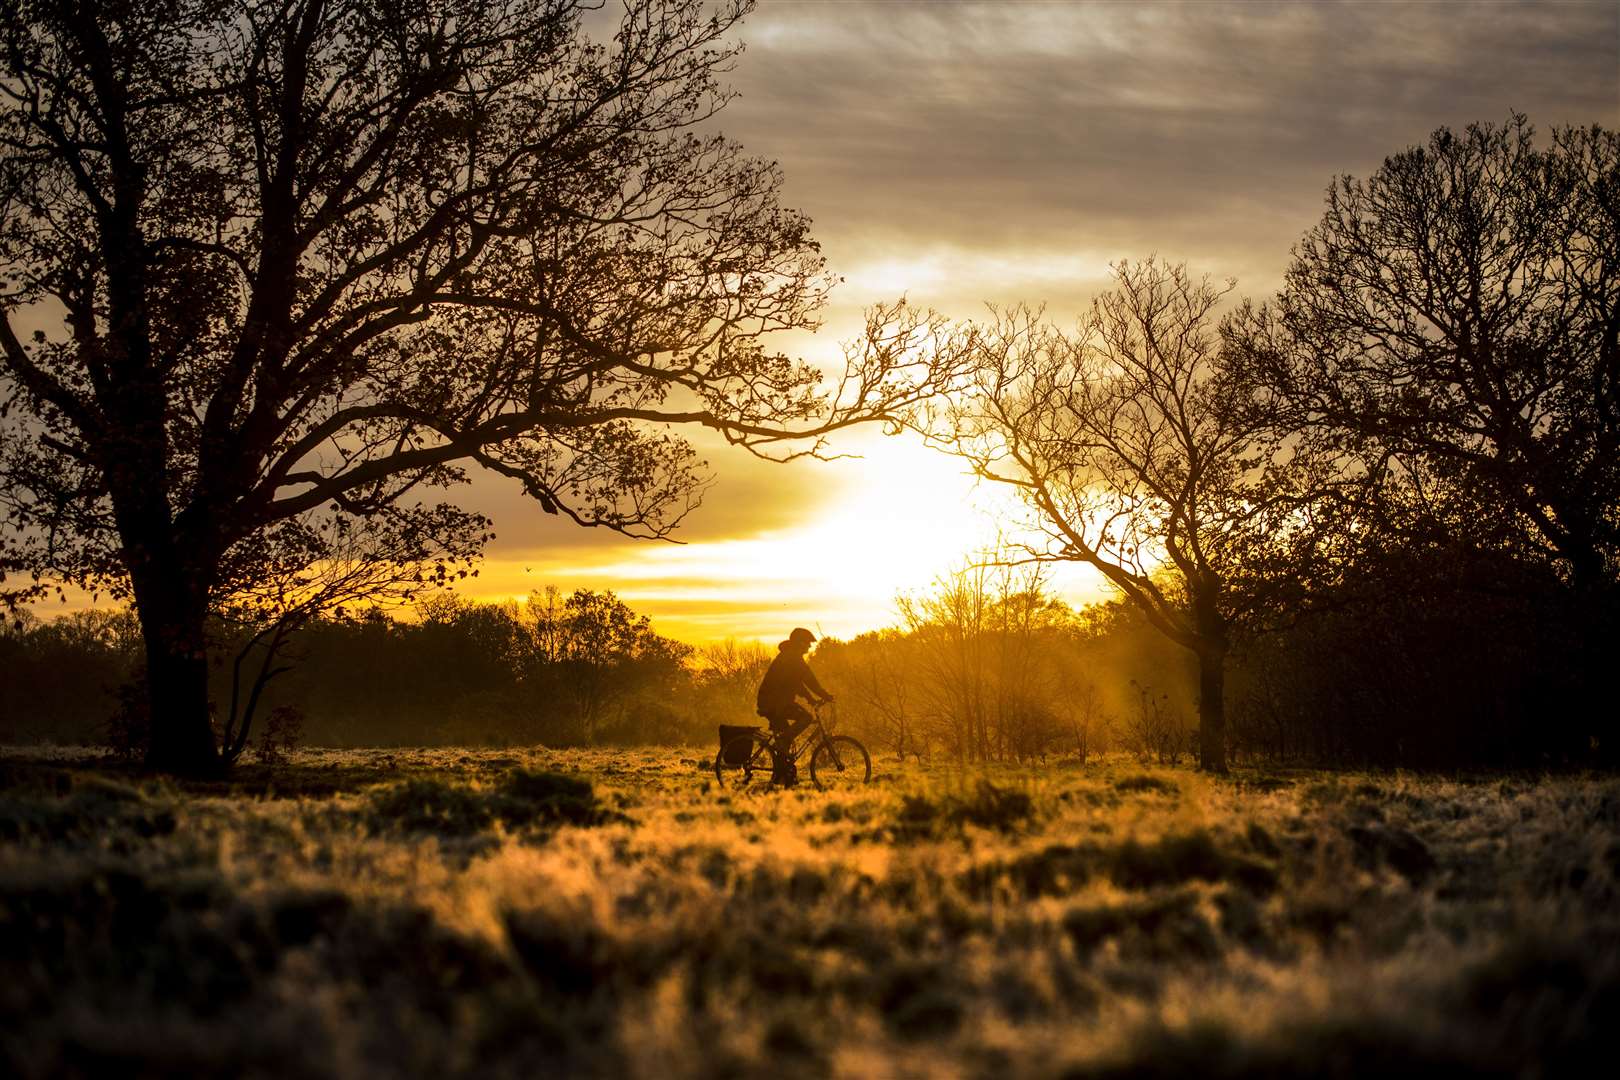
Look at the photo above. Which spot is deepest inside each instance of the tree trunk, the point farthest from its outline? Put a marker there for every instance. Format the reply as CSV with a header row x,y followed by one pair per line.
x,y
1212,708
173,612
1594,732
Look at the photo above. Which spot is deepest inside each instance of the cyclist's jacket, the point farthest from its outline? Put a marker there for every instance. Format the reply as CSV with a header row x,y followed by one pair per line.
x,y
788,677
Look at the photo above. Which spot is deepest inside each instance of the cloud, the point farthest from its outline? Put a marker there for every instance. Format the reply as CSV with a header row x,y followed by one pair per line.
x,y
1195,130
747,496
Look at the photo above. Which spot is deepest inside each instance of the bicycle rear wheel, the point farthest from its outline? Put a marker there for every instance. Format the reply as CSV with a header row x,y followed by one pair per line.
x,y
746,762
840,762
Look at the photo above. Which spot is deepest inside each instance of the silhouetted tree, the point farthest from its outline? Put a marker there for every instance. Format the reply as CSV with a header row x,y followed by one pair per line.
x,y
1140,455
602,640
265,258
58,677
1456,316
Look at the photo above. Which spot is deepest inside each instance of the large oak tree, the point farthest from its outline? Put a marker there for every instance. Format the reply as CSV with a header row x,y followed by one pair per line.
x,y
266,261
1455,318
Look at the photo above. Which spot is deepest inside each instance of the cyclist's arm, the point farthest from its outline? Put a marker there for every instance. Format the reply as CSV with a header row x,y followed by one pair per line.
x,y
813,684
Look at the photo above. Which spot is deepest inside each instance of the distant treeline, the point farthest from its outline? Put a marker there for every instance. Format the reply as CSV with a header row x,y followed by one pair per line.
x,y
1459,666
575,670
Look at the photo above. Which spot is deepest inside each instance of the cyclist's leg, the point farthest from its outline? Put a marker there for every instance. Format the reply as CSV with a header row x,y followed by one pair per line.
x,y
785,727
798,718
778,725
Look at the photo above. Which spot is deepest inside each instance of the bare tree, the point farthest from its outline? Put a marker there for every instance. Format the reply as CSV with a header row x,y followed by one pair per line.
x,y
1021,620
948,631
726,676
980,660
1079,702
268,257
882,683
1137,454
1154,728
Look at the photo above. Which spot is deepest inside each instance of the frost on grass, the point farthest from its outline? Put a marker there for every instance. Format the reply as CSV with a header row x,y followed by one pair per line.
x,y
599,913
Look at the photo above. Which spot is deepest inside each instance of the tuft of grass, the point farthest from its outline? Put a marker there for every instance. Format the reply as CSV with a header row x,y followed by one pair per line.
x,y
530,797
418,805
1146,782
521,799
1263,783
917,1003
1171,860
1183,857
1396,848
84,810
986,806
1164,926
562,959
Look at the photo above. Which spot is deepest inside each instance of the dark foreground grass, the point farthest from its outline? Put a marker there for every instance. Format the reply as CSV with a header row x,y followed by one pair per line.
x,y
610,914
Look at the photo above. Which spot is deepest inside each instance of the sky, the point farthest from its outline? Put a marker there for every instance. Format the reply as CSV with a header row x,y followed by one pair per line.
x,y
964,153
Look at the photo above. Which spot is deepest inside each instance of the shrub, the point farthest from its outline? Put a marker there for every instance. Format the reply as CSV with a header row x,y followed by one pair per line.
x,y
283,730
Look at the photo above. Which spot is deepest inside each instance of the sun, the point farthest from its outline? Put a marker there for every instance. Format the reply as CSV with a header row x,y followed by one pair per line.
x,y
904,517
898,518
910,515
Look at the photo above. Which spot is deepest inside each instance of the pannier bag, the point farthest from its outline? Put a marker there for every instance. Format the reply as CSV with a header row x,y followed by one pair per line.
x,y
738,754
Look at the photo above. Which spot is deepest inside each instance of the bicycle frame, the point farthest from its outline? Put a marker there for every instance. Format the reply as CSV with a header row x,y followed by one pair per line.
x,y
814,733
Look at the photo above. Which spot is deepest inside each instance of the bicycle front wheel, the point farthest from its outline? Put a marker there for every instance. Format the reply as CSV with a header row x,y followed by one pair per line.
x,y
745,763
840,762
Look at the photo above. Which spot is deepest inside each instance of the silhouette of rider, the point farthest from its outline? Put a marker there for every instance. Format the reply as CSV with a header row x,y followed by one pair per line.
x,y
787,679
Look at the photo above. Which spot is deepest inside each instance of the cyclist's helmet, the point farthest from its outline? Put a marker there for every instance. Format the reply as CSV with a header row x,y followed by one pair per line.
x,y
801,636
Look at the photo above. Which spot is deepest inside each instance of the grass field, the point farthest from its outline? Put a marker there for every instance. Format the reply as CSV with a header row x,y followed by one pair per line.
x,y
610,913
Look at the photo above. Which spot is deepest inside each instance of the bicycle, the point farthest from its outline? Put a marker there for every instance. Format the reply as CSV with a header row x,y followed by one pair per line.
x,y
748,757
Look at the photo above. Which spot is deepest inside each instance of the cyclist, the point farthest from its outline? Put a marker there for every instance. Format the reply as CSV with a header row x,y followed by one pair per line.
x,y
787,679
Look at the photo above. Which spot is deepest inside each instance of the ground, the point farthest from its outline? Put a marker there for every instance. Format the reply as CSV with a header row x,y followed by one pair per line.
x,y
613,913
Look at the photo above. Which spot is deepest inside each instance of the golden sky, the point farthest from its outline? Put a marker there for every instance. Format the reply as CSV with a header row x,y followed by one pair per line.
x,y
960,153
